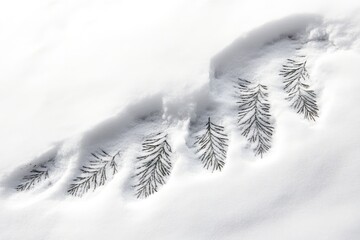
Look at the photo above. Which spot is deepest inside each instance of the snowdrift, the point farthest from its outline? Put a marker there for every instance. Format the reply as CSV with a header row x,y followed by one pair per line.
x,y
302,186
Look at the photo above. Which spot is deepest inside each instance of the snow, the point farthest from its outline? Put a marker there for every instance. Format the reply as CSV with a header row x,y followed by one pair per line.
x,y
79,76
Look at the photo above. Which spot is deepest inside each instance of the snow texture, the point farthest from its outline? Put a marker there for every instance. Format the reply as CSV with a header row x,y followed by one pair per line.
x,y
88,87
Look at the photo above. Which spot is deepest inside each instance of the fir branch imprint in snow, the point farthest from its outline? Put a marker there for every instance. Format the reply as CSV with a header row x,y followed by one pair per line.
x,y
38,174
301,97
212,146
254,115
95,174
154,165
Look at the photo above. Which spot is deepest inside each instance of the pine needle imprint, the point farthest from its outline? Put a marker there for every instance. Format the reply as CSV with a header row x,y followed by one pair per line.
x,y
38,174
95,174
154,165
212,146
254,115
300,96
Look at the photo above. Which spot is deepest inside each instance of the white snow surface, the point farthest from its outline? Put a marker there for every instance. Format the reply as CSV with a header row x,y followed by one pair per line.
x,y
77,76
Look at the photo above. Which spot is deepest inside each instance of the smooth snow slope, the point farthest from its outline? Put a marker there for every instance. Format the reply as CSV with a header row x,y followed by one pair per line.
x,y
104,75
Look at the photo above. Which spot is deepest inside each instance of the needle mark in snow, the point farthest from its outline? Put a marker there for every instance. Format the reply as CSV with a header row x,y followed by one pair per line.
x,y
254,115
95,174
38,174
154,165
301,97
212,146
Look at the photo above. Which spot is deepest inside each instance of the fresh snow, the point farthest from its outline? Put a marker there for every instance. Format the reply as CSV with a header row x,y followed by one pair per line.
x,y
80,76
